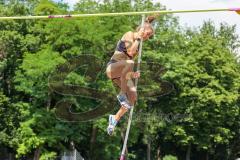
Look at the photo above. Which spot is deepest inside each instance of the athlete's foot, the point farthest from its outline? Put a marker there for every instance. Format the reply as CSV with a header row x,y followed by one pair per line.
x,y
111,124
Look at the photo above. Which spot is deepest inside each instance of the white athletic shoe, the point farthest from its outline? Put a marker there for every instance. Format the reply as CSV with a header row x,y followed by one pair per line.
x,y
111,124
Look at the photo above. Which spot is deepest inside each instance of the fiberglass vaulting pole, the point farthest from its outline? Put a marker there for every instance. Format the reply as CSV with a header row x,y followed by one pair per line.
x,y
131,111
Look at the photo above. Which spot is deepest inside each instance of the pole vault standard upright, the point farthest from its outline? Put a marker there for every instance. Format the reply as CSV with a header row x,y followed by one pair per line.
x,y
121,14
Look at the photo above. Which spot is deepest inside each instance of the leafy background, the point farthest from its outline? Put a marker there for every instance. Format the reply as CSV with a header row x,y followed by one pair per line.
x,y
201,64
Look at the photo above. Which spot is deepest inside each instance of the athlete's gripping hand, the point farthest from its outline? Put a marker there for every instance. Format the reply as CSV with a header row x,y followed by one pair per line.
x,y
136,74
132,75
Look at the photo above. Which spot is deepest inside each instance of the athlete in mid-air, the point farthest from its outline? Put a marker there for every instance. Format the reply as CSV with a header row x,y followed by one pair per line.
x,y
120,69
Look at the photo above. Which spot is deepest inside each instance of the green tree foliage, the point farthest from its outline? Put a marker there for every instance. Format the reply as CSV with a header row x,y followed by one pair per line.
x,y
169,157
46,7
201,71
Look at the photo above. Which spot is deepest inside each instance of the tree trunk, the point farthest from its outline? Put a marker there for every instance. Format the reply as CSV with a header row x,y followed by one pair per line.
x,y
37,154
207,156
93,142
10,156
149,149
159,153
188,154
49,100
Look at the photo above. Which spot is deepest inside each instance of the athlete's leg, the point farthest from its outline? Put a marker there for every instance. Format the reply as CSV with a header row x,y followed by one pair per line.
x,y
120,69
132,92
132,96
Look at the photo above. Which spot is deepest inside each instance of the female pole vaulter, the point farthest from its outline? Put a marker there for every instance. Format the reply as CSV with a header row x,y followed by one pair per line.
x,y
120,69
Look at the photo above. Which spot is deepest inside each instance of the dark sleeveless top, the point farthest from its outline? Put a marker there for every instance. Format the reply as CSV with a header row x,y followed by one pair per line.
x,y
121,53
121,47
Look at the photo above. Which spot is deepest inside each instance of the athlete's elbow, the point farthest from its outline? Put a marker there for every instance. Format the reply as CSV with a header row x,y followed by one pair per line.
x,y
130,53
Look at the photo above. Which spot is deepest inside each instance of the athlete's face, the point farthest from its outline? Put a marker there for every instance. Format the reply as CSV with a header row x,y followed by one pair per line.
x,y
147,33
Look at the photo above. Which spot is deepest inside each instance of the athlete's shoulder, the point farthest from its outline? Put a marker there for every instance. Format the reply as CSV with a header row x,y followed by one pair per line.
x,y
128,36
129,33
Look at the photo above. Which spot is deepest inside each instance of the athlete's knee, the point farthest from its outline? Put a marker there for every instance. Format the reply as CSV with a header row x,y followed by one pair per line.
x,y
132,95
130,63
